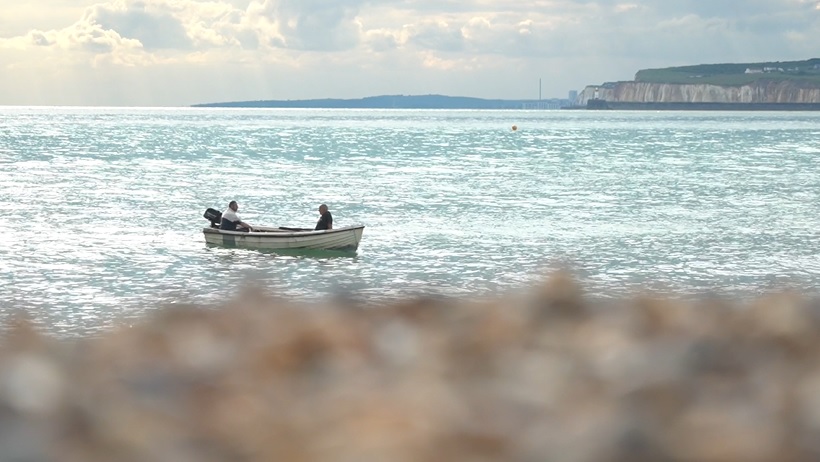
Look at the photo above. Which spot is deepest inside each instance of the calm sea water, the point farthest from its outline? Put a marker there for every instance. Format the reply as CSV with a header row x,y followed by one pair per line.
x,y
102,208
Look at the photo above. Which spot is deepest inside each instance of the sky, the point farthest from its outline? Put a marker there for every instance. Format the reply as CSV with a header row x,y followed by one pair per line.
x,y
180,52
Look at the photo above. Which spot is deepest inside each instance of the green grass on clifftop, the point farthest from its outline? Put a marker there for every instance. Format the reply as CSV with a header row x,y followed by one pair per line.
x,y
735,74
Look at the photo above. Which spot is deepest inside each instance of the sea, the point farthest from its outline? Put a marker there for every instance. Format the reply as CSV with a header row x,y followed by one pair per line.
x,y
103,207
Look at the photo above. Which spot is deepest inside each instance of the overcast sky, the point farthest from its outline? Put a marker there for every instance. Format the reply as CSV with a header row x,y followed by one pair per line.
x,y
182,52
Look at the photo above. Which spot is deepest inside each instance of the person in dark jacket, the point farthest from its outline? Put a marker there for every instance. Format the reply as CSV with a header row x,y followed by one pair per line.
x,y
326,219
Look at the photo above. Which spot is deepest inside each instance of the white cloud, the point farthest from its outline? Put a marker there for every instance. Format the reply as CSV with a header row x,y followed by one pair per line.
x,y
83,37
317,25
152,24
438,35
381,40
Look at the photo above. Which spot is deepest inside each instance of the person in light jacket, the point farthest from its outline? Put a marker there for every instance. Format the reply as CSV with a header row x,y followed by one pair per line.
x,y
231,220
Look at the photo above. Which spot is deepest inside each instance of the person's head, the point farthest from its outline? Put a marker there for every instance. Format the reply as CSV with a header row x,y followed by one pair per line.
x,y
233,206
322,209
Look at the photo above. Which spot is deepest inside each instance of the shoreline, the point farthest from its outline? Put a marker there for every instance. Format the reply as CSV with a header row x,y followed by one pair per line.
x,y
600,104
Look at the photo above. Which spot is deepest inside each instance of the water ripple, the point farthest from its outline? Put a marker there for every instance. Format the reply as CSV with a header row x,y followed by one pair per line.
x,y
103,207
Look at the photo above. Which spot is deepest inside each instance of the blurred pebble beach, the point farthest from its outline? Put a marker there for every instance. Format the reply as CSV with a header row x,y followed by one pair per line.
x,y
543,375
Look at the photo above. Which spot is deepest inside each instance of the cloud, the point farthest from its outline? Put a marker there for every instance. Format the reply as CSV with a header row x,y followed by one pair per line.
x,y
528,28
316,25
382,40
727,9
510,38
438,35
90,38
149,23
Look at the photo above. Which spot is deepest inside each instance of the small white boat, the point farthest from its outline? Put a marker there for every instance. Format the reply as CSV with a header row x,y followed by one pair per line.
x,y
282,238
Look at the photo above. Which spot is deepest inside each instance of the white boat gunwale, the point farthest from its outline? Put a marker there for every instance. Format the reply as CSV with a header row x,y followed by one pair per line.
x,y
281,231
284,238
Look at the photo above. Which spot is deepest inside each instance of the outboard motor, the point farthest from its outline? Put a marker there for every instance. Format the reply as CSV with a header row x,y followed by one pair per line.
x,y
214,216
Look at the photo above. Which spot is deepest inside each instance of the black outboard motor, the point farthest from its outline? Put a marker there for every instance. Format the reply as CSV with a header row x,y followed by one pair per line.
x,y
214,216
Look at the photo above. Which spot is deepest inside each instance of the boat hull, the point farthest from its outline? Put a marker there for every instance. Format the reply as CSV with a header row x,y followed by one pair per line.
x,y
262,238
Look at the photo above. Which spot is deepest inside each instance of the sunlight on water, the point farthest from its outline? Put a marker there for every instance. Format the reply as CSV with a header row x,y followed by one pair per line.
x,y
103,207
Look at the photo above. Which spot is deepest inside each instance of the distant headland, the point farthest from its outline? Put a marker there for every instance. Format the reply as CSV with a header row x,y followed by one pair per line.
x,y
400,102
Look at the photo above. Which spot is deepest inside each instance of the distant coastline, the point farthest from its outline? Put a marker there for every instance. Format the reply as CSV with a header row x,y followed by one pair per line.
x,y
766,86
399,102
455,102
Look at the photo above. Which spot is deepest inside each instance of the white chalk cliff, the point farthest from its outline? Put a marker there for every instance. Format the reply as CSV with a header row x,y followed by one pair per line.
x,y
757,92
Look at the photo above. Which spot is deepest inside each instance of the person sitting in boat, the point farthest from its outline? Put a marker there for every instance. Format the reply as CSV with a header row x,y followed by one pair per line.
x,y
231,220
326,219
